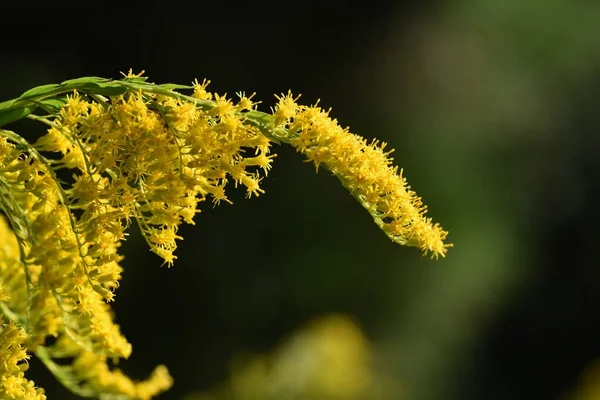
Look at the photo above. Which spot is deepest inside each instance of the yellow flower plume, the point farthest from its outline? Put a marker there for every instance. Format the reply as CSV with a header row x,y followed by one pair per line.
x,y
365,169
144,153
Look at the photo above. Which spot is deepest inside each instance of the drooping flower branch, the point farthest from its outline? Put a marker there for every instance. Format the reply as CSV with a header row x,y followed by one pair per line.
x,y
145,153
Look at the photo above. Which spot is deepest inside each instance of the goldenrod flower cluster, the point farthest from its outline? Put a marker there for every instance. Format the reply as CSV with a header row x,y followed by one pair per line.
x,y
365,169
13,384
118,152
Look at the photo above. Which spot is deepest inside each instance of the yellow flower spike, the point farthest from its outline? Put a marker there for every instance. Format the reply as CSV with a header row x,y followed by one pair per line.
x,y
365,169
143,152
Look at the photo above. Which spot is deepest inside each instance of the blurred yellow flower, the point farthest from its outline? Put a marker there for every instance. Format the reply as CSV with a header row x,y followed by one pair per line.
x,y
588,387
328,359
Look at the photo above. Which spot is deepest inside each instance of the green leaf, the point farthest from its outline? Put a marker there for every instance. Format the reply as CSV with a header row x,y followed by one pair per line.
x,y
85,80
6,104
138,79
104,89
95,85
16,114
173,86
39,91
52,105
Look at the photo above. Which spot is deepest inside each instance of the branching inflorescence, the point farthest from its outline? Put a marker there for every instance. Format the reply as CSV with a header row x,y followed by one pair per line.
x,y
148,154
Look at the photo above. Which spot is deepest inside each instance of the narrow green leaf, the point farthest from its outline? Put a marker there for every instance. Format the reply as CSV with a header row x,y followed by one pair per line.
x,y
87,79
6,104
16,114
103,89
52,105
39,91
137,79
173,86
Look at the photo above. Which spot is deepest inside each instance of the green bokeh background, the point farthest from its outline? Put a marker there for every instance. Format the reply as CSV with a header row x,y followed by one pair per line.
x,y
492,107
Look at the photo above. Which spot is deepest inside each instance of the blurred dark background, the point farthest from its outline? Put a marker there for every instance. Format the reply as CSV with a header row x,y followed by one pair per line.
x,y
493,109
